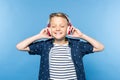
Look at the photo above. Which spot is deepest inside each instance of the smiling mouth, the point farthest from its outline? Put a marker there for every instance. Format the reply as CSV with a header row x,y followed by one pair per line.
x,y
58,33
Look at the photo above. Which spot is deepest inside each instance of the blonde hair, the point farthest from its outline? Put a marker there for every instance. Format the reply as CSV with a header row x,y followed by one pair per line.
x,y
59,14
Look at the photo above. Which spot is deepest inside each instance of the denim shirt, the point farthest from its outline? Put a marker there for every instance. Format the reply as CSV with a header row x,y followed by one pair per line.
x,y
78,50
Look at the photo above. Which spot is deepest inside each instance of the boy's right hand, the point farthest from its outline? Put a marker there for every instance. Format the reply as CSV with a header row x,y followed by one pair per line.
x,y
24,45
44,34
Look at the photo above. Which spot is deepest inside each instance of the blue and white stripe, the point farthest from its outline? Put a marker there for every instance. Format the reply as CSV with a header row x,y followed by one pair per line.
x,y
61,64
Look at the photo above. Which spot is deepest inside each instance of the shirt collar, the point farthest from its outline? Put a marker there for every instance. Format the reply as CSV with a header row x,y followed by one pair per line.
x,y
69,40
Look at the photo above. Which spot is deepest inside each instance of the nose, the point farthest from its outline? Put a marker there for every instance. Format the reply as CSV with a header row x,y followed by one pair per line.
x,y
57,28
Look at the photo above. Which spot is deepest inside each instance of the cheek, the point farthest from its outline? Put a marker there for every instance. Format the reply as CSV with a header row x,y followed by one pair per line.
x,y
52,31
65,30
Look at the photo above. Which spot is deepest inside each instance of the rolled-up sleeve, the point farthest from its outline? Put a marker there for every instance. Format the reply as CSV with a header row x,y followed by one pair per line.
x,y
36,48
86,47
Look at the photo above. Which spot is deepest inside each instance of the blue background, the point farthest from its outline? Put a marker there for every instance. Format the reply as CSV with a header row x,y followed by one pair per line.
x,y
20,19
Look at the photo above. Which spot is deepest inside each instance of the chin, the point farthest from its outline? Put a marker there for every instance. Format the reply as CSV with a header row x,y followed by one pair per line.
x,y
59,38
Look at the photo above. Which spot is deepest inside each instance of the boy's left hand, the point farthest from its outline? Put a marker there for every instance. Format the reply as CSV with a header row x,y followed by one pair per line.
x,y
76,32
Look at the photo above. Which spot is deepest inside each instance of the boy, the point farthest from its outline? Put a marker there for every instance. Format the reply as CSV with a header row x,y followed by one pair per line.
x,y
61,57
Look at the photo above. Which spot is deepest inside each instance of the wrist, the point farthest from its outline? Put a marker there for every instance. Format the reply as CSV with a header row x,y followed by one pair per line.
x,y
38,36
82,35
85,37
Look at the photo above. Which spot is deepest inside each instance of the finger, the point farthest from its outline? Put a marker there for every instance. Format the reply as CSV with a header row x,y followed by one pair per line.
x,y
46,30
78,31
50,37
42,31
72,27
73,30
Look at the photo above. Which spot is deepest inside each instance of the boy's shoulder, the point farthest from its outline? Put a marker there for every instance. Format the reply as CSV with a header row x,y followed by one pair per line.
x,y
68,38
72,40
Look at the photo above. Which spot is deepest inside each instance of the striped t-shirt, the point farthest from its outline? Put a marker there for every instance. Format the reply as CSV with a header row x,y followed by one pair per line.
x,y
61,64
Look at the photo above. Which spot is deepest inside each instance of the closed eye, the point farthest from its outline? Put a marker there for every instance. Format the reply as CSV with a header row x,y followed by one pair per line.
x,y
53,26
62,26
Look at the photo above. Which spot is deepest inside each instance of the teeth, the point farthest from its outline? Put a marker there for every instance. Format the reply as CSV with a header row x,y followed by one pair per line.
x,y
57,33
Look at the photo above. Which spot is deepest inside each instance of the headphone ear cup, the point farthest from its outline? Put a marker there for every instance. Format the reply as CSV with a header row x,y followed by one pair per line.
x,y
48,25
48,32
70,24
68,31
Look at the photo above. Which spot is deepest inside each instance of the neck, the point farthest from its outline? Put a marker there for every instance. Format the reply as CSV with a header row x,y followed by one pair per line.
x,y
62,41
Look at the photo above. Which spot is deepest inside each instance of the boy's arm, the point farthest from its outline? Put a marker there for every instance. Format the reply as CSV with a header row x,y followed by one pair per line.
x,y
97,46
24,45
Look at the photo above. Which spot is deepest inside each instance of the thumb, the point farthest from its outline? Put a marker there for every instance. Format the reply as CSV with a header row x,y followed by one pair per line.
x,y
50,37
70,35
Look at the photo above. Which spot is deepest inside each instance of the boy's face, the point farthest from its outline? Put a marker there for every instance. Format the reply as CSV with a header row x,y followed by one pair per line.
x,y
58,26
